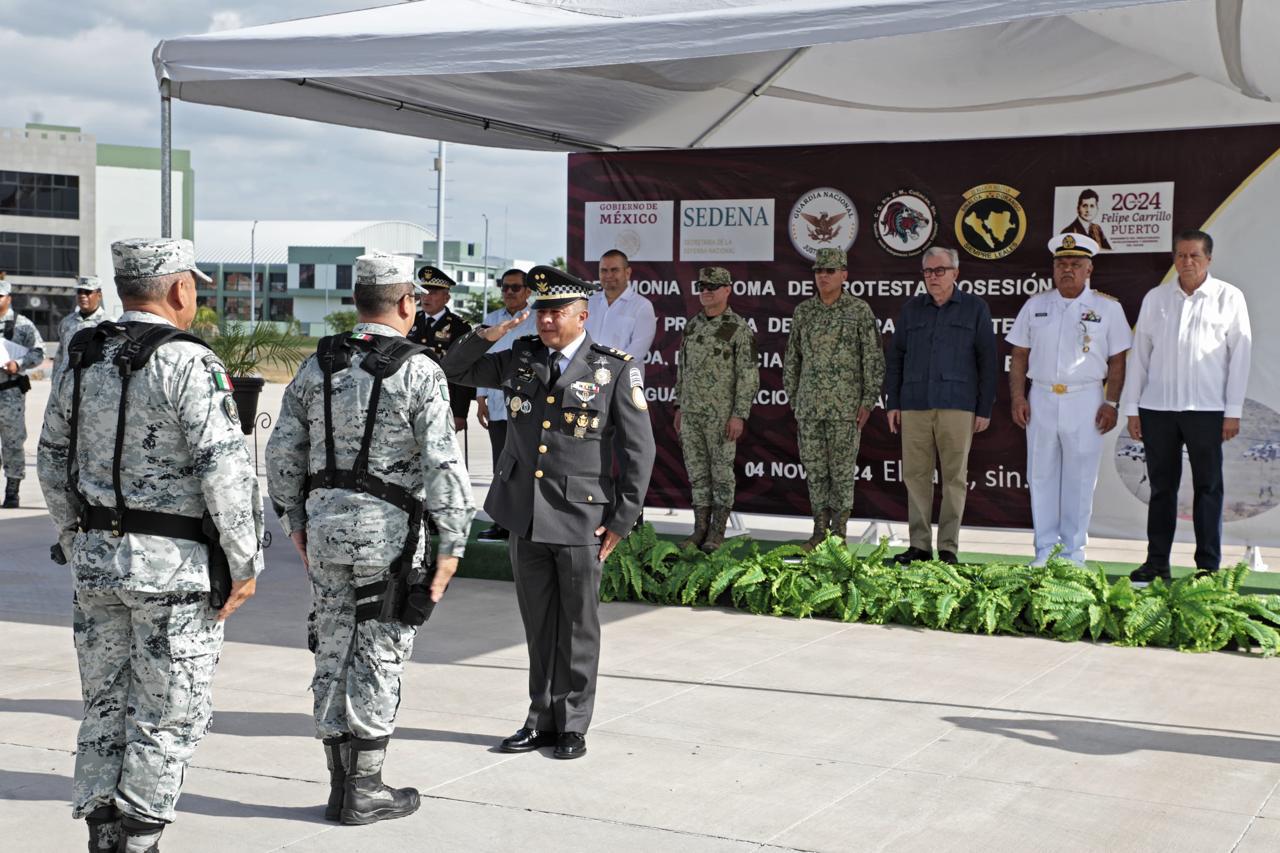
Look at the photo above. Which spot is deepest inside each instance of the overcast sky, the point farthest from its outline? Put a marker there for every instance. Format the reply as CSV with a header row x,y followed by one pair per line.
x,y
87,63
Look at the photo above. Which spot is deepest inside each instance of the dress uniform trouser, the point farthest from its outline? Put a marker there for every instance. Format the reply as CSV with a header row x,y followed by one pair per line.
x,y
558,590
1064,449
146,672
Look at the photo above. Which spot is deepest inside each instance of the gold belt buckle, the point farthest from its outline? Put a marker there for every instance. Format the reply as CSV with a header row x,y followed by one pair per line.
x,y
1059,388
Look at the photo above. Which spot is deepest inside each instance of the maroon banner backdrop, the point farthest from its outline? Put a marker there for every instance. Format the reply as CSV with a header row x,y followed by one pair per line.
x,y
761,212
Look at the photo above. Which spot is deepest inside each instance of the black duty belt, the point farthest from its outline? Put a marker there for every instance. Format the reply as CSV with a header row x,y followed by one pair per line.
x,y
145,522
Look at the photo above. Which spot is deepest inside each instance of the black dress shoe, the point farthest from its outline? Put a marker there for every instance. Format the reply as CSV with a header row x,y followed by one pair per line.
x,y
949,557
527,740
911,555
1206,573
571,745
493,534
1146,573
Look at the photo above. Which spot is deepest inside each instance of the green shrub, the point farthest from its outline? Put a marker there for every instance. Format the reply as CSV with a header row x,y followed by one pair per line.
x,y
1060,600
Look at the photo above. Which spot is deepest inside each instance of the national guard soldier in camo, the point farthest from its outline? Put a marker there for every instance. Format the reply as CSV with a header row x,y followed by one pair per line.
x,y
89,312
832,373
14,385
349,538
577,409
717,378
146,634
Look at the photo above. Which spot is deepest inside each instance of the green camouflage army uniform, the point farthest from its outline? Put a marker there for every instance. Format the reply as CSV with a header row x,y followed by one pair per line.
x,y
716,379
353,537
146,637
13,409
833,366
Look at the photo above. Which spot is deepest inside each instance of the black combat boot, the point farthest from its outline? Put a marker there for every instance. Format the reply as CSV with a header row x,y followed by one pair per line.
x,y
335,754
367,799
104,829
139,836
11,493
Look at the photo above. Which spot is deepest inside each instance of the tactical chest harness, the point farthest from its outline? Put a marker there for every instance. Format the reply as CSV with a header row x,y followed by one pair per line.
x,y
402,595
18,381
140,341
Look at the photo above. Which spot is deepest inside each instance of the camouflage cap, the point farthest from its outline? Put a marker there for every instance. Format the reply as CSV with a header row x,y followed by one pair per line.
x,y
830,259
716,276
378,268
148,257
88,282
555,288
1073,246
6,288
429,276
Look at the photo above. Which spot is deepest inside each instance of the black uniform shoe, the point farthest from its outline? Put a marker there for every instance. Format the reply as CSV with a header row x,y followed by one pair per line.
x,y
366,799
911,555
1206,573
949,557
11,494
527,740
571,745
1146,573
493,534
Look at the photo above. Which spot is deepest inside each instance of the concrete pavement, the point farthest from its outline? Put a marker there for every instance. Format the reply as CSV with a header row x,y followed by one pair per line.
x,y
714,731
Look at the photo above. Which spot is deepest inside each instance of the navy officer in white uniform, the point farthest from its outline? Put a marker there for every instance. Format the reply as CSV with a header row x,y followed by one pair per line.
x,y
1071,343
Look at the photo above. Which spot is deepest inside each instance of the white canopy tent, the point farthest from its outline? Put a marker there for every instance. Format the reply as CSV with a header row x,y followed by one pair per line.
x,y
583,75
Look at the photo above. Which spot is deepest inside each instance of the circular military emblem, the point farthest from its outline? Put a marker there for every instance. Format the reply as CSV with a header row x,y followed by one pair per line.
x,y
230,410
990,223
822,218
906,222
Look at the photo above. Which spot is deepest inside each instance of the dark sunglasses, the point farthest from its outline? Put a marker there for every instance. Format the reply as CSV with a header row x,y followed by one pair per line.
x,y
512,288
707,287
826,270
85,292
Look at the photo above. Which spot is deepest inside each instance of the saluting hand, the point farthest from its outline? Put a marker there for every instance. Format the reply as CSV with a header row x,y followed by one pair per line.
x,y
495,333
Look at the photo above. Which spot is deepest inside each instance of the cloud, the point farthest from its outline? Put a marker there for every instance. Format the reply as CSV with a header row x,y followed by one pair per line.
x,y
98,76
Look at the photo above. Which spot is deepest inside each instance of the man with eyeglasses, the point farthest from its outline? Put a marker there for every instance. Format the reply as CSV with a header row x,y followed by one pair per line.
x,y
1188,372
717,378
832,372
89,312
1071,342
941,388
491,403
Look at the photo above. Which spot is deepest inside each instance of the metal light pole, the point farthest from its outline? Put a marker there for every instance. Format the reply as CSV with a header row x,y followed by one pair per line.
x,y
166,161
484,305
253,271
440,205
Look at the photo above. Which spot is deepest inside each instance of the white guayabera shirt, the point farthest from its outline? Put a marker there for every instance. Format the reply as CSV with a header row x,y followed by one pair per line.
x,y
1190,353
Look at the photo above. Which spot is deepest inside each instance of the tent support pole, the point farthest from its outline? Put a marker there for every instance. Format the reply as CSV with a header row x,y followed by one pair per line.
x,y
755,93
166,161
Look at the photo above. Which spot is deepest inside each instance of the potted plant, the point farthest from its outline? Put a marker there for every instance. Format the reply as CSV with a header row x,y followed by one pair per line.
x,y
244,348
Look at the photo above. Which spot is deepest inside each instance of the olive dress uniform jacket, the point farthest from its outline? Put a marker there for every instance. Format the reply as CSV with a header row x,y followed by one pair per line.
x,y
438,336
553,483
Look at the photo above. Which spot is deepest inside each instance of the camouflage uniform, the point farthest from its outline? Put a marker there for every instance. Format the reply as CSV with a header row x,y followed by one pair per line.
x,y
13,410
833,366
353,538
74,322
717,377
146,637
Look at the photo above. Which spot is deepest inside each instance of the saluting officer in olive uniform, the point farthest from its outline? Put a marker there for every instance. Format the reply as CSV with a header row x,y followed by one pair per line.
x,y
437,328
575,408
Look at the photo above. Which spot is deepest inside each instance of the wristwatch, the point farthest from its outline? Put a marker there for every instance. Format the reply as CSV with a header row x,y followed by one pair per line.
x,y
1112,404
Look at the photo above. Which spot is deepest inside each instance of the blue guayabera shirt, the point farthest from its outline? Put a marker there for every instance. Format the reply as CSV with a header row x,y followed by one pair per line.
x,y
943,356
